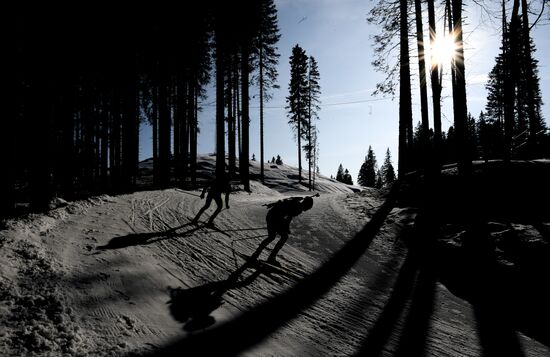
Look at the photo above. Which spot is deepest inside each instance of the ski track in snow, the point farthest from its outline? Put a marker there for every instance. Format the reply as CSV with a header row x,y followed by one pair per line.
x,y
119,297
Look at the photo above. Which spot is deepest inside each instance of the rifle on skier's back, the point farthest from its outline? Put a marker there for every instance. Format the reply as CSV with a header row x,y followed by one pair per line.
x,y
294,198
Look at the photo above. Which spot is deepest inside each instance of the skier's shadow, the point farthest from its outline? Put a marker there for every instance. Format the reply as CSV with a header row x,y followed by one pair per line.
x,y
194,306
147,238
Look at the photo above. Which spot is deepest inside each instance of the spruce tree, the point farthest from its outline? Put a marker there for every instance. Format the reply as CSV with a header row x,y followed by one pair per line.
x,y
340,174
527,119
268,59
367,172
387,170
313,94
297,99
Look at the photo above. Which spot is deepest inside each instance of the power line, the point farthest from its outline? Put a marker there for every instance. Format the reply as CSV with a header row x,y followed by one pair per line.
x,y
212,104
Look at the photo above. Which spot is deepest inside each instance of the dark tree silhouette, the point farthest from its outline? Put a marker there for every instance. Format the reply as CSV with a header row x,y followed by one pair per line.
x,y
528,128
268,59
313,93
367,172
460,110
297,98
423,83
387,170
379,179
315,157
435,80
340,174
80,108
405,105
222,39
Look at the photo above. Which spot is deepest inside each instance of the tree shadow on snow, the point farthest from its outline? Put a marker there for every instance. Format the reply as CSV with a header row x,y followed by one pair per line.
x,y
247,329
418,286
415,284
505,300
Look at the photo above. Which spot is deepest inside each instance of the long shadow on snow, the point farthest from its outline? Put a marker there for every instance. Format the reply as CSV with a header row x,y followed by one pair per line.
x,y
417,284
502,301
147,238
253,326
505,299
193,306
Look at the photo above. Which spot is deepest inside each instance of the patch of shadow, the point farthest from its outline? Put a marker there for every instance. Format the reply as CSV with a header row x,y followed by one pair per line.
x,y
146,238
193,307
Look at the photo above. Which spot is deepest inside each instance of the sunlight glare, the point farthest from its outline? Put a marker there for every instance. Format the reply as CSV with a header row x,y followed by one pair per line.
x,y
444,49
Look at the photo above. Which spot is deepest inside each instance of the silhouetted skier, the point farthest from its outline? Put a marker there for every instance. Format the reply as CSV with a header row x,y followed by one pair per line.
x,y
278,220
215,189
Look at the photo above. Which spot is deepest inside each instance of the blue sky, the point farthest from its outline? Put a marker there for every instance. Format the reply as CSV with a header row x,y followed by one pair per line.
x,y
336,33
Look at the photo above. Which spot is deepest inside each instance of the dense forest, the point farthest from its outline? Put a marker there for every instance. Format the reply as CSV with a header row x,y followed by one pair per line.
x,y
83,81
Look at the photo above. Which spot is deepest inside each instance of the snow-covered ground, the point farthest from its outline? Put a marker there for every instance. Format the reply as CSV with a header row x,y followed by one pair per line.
x,y
130,275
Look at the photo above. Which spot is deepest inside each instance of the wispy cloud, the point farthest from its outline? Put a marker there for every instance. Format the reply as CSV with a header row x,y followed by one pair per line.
x,y
477,79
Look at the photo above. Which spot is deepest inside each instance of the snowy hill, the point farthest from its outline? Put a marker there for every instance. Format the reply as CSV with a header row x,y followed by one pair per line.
x,y
280,178
130,275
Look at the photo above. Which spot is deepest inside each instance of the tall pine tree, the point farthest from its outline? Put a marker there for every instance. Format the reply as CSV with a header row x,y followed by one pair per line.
x,y
527,127
268,59
313,94
297,99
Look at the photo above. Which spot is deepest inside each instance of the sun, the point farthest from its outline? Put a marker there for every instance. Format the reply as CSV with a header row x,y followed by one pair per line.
x,y
444,49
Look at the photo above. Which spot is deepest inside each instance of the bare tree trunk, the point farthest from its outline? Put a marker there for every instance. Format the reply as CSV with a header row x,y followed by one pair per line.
x,y
39,124
8,132
261,66
511,78
459,94
243,159
186,129
114,156
533,117
299,150
436,88
235,137
309,140
180,91
104,144
231,118
405,108
164,131
156,178
239,117
193,138
423,83
220,105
